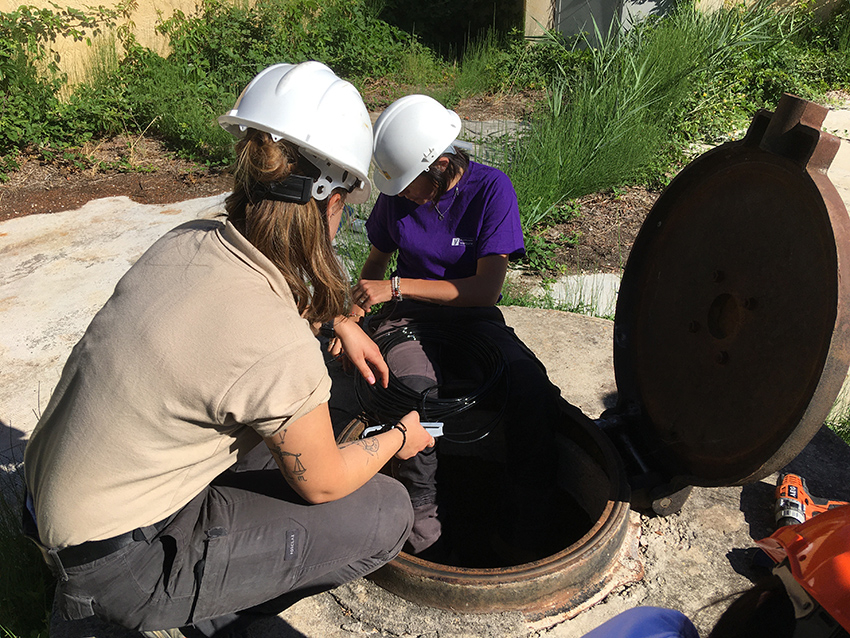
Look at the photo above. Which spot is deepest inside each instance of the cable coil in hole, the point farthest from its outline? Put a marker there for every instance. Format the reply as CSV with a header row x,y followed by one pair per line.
x,y
383,405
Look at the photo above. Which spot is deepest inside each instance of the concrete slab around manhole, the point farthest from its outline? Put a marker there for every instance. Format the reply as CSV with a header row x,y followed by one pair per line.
x,y
592,294
56,271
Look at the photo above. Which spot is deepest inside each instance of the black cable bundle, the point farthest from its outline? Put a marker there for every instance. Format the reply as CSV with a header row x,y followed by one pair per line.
x,y
383,405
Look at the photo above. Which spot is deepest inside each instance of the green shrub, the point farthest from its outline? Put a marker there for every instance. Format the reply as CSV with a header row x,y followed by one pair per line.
x,y
30,81
688,77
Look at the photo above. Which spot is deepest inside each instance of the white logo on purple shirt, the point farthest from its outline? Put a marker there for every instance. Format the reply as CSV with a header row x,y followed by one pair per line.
x,y
462,241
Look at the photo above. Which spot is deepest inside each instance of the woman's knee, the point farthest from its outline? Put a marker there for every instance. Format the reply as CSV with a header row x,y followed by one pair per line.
x,y
395,514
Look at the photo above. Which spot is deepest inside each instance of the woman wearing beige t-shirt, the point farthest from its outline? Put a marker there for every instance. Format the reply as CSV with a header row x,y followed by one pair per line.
x,y
149,491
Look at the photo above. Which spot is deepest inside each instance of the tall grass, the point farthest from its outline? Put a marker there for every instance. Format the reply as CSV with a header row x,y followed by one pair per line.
x,y
481,66
612,120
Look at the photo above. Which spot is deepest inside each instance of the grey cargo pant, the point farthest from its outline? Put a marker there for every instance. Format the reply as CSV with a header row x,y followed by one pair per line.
x,y
247,542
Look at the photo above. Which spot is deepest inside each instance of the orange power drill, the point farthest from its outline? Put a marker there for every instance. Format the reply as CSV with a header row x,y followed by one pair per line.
x,y
794,503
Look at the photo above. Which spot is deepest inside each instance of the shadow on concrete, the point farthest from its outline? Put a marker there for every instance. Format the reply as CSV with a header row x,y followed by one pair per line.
x,y
757,502
610,400
96,628
12,443
824,463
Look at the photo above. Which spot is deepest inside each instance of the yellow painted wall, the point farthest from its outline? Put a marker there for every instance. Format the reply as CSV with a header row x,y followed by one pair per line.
x,y
537,13
74,54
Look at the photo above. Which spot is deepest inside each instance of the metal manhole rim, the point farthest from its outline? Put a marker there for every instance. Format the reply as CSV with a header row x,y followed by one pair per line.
x,y
595,538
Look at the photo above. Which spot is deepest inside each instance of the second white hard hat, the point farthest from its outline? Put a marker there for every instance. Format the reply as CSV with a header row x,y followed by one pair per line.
x,y
410,134
323,115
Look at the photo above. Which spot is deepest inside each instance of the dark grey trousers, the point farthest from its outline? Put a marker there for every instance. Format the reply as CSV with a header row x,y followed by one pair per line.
x,y
246,544
526,433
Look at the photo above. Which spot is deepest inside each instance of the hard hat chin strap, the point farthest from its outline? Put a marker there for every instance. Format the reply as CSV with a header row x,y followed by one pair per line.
x,y
297,189
331,176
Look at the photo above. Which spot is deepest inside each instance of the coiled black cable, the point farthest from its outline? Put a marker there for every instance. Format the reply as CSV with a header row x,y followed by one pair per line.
x,y
382,405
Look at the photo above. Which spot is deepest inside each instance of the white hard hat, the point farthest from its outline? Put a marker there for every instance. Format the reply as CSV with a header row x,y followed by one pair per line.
x,y
410,134
324,116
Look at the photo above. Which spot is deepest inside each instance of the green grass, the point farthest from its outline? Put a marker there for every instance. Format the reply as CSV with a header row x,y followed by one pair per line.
x,y
619,114
686,77
26,586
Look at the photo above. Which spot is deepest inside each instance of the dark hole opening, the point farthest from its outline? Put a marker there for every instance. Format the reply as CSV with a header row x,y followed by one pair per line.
x,y
473,510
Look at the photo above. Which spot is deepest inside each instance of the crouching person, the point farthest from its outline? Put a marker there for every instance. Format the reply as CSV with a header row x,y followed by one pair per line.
x,y
149,487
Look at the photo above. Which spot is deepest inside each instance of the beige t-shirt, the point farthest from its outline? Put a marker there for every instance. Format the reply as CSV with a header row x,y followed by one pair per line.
x,y
198,354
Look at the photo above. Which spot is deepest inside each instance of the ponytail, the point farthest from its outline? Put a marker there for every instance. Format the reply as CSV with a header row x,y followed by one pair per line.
x,y
293,236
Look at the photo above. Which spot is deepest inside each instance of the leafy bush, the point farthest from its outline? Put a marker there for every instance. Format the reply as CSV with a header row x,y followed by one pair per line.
x,y
617,112
214,53
30,80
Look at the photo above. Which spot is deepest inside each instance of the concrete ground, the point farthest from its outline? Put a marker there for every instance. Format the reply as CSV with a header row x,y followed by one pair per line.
x,y
57,270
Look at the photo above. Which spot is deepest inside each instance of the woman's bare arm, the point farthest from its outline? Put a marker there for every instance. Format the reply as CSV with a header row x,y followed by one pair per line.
x,y
321,471
481,289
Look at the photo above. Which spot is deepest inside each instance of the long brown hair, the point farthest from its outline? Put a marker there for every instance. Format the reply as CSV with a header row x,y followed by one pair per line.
x,y
293,236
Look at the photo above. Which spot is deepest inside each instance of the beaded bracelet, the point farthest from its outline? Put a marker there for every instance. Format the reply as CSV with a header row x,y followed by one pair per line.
x,y
395,283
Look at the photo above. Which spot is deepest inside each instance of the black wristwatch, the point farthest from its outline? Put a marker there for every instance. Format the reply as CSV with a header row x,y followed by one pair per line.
x,y
327,330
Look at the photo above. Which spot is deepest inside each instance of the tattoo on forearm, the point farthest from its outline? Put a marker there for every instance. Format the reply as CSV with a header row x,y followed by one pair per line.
x,y
370,444
294,473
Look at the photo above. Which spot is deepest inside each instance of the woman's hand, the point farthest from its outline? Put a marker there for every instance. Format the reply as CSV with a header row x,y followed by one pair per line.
x,y
416,437
368,292
360,349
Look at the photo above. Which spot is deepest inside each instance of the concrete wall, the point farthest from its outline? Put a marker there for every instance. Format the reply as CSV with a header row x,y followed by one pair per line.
x,y
571,17
74,55
539,16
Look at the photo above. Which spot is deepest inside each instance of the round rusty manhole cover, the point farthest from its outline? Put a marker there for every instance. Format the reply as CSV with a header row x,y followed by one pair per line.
x,y
731,337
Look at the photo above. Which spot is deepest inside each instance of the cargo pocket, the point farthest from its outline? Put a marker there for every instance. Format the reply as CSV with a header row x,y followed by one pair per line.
x,y
73,607
209,572
105,588
247,567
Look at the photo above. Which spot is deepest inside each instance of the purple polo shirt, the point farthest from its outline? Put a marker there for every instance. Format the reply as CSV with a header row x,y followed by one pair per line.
x,y
480,218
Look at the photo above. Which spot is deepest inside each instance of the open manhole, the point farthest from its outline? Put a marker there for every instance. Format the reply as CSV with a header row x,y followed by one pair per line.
x,y
731,343
594,527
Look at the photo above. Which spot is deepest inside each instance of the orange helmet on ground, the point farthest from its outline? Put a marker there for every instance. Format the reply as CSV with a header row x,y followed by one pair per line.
x,y
814,563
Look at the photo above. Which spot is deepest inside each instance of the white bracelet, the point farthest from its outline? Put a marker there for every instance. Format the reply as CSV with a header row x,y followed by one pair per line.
x,y
395,283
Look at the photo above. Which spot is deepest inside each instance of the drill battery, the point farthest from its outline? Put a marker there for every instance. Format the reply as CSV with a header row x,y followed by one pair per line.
x,y
794,502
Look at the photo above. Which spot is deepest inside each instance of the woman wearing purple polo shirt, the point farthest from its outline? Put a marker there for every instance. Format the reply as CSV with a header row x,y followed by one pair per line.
x,y
454,224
